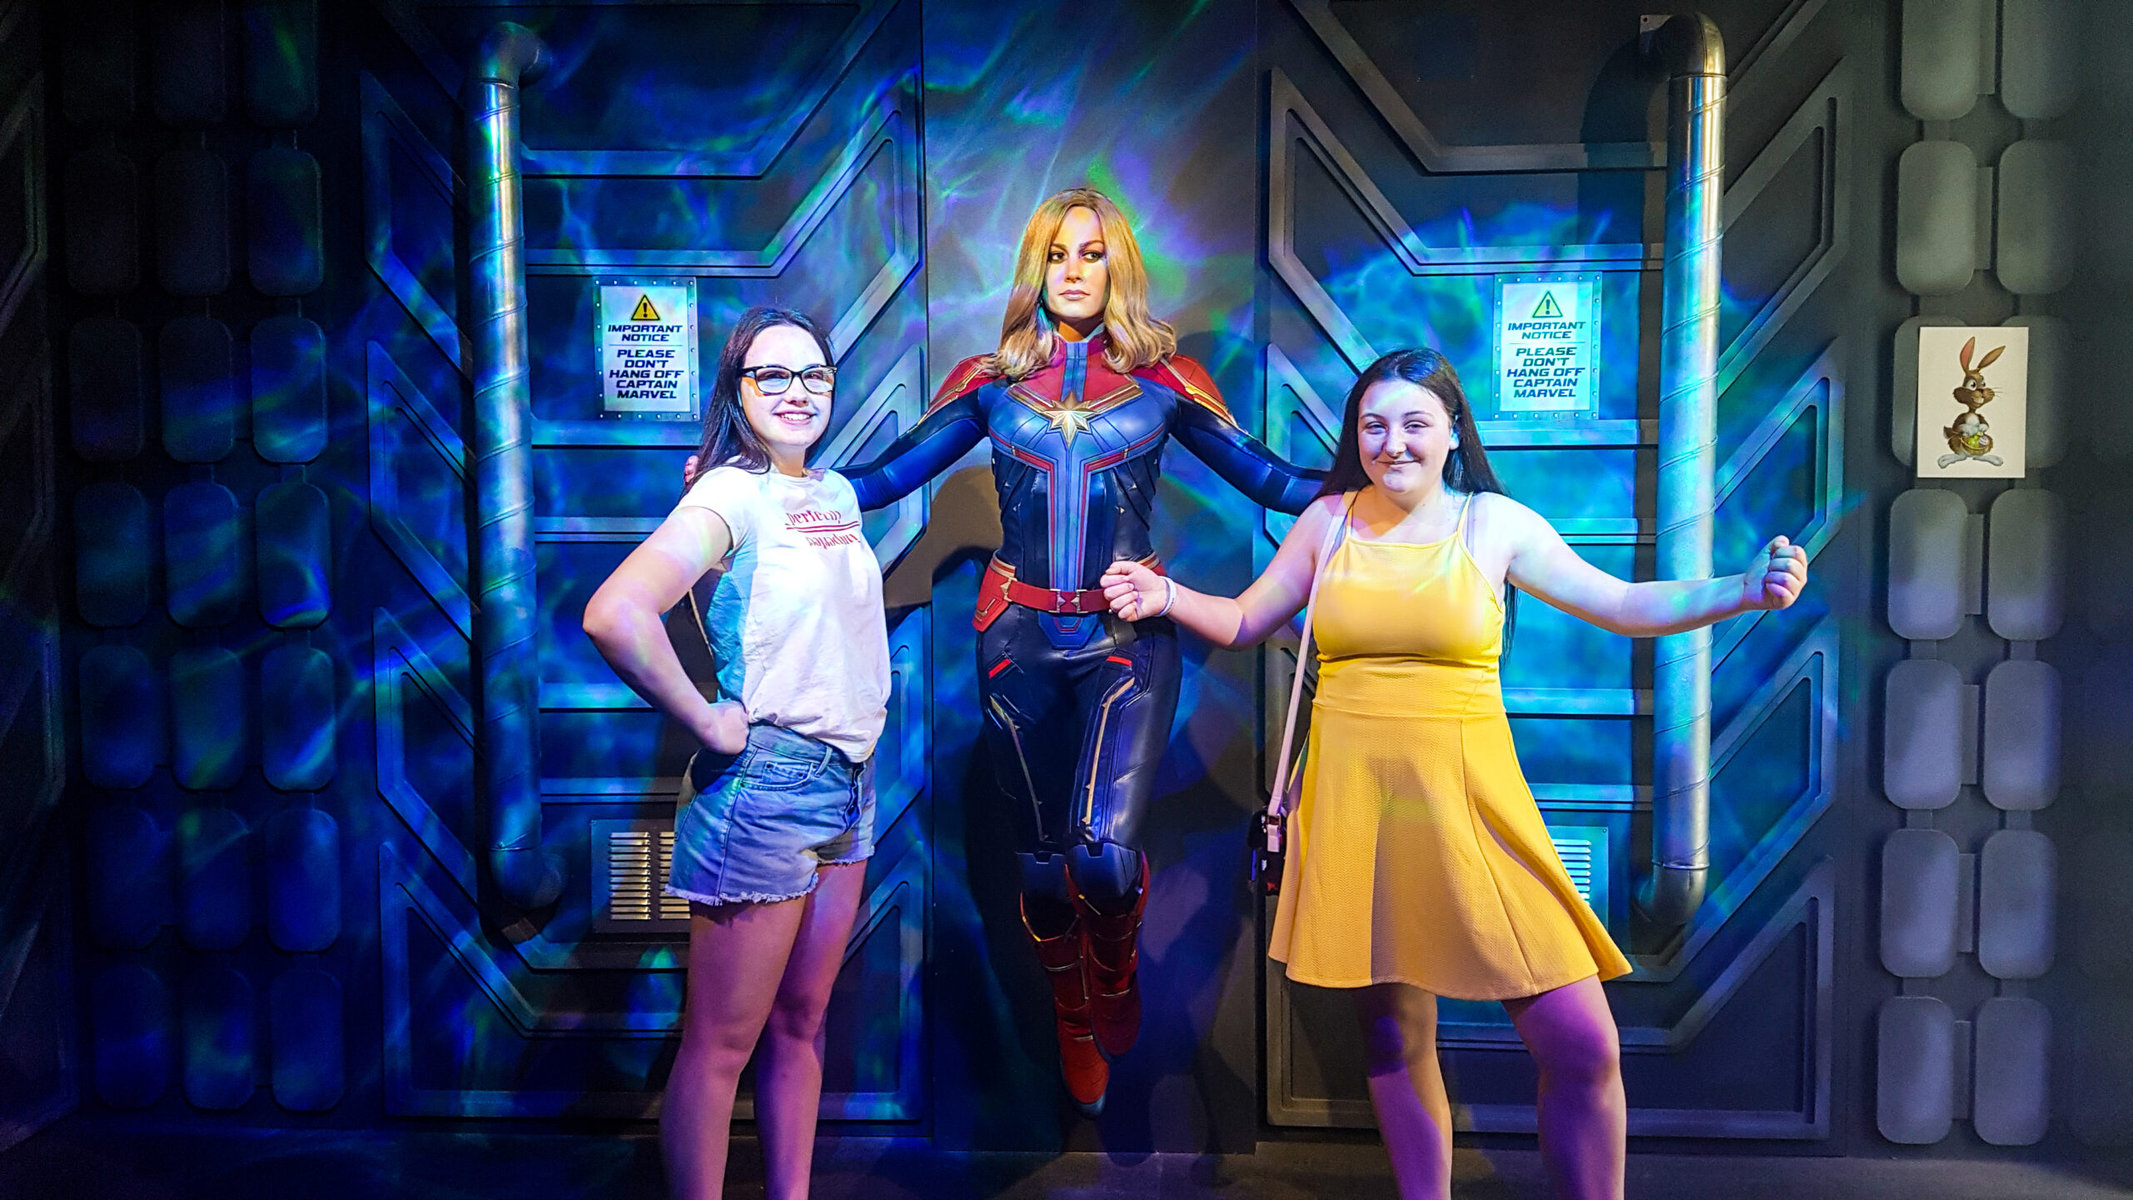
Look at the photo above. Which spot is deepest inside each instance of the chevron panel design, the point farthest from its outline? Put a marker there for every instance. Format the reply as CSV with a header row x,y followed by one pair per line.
x,y
1774,758
565,1016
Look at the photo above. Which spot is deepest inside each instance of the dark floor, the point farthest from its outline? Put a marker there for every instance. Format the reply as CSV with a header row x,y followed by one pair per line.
x,y
77,1162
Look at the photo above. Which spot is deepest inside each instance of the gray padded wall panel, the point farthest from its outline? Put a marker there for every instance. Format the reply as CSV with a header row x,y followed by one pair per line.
x,y
97,53
185,62
2025,565
2051,347
281,62
2039,57
1903,392
2011,1099
2020,737
1919,885
1926,556
1921,763
220,1019
100,216
113,554
192,223
106,367
197,360
1936,218
1914,1070
2034,253
288,389
286,240
207,718
1941,39
2017,893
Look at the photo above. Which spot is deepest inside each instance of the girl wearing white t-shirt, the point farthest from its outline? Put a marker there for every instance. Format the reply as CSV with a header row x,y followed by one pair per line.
x,y
777,812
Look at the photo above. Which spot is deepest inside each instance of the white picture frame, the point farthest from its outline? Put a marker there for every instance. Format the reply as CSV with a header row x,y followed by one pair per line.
x,y
1973,402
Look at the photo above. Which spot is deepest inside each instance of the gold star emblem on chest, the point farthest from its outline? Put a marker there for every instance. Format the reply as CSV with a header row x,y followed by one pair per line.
x,y
1069,416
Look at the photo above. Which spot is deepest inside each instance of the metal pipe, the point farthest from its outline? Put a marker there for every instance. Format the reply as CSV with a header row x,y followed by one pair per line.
x,y
1690,49
504,621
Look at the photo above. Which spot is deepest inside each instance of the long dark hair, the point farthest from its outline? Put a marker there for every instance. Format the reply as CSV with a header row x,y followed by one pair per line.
x,y
1466,468
729,440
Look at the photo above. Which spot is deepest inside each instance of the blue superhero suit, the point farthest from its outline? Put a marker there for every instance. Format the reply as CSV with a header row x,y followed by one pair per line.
x,y
1078,703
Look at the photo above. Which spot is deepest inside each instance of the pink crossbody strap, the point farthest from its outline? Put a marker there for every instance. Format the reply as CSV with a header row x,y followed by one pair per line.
x,y
1286,765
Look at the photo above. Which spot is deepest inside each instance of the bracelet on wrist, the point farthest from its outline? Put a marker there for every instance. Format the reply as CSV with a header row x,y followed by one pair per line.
x,y
1170,595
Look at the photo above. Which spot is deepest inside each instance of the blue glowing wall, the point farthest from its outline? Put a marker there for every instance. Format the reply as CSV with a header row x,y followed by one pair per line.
x,y
260,307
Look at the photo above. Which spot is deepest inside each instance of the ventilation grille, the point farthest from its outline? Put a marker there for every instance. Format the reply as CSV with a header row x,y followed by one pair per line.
x,y
630,864
1583,849
1577,859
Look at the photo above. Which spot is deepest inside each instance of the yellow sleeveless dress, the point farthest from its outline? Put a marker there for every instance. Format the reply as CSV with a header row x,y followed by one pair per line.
x,y
1416,853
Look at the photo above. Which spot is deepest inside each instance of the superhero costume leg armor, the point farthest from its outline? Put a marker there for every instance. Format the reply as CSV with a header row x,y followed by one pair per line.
x,y
1075,733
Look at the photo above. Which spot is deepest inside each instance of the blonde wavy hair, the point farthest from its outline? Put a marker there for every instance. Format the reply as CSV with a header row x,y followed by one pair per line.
x,y
1134,338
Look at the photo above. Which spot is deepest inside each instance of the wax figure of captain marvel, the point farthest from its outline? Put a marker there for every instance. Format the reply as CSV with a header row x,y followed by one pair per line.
x,y
1078,401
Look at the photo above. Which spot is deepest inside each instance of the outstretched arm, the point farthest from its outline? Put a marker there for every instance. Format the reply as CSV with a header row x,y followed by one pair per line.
x,y
925,450
1135,592
1544,564
1244,461
951,425
623,621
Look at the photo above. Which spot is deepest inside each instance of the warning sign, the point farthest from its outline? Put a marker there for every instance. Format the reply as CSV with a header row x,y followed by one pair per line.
x,y
647,340
1547,343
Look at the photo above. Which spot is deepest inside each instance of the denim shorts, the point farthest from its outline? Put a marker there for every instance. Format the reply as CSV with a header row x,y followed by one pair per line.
x,y
754,826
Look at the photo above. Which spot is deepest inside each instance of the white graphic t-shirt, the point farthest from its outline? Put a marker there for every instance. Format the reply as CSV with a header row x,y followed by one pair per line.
x,y
795,619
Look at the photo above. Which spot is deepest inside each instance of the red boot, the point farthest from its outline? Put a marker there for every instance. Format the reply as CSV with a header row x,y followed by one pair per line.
x,y
1114,953
1080,1062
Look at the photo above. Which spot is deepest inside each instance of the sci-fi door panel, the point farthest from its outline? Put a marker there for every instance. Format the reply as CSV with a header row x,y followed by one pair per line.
x,y
1409,204
725,155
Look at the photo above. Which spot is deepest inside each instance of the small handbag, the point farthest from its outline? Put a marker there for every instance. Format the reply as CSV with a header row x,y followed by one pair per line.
x,y
1268,835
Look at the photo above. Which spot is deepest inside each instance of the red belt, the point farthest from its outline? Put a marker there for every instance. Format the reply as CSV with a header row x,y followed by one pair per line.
x,y
1001,583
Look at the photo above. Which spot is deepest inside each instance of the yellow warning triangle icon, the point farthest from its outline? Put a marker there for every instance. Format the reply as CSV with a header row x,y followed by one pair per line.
x,y
645,311
1545,310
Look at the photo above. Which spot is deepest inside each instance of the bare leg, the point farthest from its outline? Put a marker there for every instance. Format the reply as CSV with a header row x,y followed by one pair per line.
x,y
1407,1086
737,952
788,1073
1584,1118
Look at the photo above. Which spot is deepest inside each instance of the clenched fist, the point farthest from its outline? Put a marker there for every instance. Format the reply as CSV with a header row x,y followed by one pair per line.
x,y
1776,576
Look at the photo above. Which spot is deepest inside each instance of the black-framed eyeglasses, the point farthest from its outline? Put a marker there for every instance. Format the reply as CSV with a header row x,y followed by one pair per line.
x,y
772,381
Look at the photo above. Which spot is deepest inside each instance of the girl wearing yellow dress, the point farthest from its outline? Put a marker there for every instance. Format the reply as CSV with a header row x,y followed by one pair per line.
x,y
1418,863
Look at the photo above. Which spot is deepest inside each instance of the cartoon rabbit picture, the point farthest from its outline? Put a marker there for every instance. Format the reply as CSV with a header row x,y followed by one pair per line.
x,y
1970,436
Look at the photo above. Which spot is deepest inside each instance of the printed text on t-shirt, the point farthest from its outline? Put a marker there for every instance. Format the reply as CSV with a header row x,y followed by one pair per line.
x,y
823,529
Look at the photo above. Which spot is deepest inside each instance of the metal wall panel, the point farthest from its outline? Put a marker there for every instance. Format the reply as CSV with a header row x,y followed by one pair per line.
x,y
2017,904
1941,79
1915,1070
1928,553
2020,736
1393,204
2011,1103
2025,566
1922,734
1919,910
1936,218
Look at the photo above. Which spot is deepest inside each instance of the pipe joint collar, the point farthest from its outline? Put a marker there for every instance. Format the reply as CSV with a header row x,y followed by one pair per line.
x,y
527,875
510,54
1686,44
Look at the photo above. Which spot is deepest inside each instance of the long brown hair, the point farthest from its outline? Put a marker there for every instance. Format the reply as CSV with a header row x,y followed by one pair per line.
x,y
1466,468
1134,338
729,440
